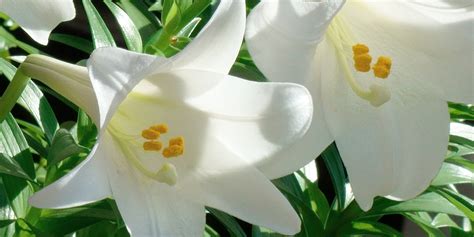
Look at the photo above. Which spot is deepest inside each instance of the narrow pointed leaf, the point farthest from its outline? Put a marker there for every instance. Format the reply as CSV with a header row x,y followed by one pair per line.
x,y
101,35
130,32
33,100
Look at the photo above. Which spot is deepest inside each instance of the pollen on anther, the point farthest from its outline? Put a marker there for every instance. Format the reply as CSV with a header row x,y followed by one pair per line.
x,y
162,128
381,71
386,61
177,141
152,146
173,151
362,62
382,67
150,134
359,49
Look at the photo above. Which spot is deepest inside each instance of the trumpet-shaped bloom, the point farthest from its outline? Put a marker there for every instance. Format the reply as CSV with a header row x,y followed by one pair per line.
x,y
179,134
380,73
39,17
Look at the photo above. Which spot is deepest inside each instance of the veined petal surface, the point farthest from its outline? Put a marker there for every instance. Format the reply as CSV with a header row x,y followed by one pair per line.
x,y
392,150
39,18
114,73
219,104
64,78
430,42
292,28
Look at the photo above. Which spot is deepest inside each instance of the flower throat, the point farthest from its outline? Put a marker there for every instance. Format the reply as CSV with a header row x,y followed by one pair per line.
x,y
376,95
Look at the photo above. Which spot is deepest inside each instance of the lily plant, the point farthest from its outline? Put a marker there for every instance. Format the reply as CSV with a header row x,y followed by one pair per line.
x,y
41,17
179,134
380,73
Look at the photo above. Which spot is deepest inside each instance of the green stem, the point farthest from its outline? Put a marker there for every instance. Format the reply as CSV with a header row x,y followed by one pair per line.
x,y
12,93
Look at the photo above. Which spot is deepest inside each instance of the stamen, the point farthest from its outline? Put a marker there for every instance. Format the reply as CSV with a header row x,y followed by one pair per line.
x,y
150,134
382,67
152,146
340,37
177,141
161,128
362,62
167,174
359,49
173,151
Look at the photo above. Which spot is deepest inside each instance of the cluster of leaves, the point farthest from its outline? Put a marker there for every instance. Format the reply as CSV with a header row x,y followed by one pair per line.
x,y
36,150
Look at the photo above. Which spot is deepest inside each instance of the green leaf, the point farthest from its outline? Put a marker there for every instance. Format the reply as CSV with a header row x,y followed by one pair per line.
x,y
463,162
229,222
65,221
368,228
13,42
33,100
463,203
456,232
453,174
209,232
258,231
63,146
194,10
461,111
319,203
145,21
289,186
86,130
427,202
334,164
10,167
188,29
443,220
130,32
13,144
76,42
101,35
171,17
424,225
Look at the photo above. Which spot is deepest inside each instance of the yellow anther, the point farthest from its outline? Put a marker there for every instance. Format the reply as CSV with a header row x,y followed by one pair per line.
x,y
173,151
382,67
362,62
177,141
152,146
384,60
162,128
381,71
150,134
359,49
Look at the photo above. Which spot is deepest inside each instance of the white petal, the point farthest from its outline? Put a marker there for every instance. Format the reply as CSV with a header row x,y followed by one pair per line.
x,y
282,36
392,150
64,78
39,18
292,62
84,184
216,47
226,182
428,43
258,121
114,73
150,208
150,211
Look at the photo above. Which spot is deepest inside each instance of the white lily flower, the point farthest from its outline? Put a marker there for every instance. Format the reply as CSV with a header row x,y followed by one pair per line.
x,y
179,134
390,122
39,17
